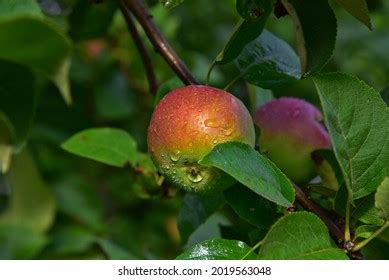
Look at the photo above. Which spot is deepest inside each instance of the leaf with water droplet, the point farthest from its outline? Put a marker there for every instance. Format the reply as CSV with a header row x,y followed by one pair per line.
x,y
170,4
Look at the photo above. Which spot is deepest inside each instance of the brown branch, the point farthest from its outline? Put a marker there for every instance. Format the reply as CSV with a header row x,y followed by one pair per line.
x,y
147,63
160,44
308,204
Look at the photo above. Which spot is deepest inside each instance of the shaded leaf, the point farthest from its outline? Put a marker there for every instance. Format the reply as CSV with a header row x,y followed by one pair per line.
x,y
382,199
17,83
91,21
20,243
385,95
32,203
268,62
48,48
195,210
217,249
210,229
301,236
358,9
244,33
250,207
80,201
358,123
315,30
114,251
253,170
366,212
107,145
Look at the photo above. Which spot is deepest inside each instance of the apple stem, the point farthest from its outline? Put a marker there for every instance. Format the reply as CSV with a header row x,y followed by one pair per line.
x,y
256,246
234,80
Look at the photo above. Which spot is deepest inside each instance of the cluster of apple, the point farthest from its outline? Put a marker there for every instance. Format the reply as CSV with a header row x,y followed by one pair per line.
x,y
189,121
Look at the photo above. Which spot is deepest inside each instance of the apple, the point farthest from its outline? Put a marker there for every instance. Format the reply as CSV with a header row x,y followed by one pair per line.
x,y
186,125
290,130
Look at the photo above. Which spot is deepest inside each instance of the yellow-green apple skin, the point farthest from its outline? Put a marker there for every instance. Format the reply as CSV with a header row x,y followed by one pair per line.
x,y
186,125
290,130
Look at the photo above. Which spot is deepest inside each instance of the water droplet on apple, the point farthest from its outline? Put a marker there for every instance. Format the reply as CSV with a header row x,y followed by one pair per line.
x,y
175,156
195,178
211,123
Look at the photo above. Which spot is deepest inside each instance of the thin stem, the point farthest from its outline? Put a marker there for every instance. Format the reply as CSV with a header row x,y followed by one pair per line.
x,y
230,84
153,84
362,244
347,234
208,78
308,204
160,44
252,249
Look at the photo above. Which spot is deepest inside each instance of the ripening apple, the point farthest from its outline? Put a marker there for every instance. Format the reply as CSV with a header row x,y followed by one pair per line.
x,y
290,130
186,125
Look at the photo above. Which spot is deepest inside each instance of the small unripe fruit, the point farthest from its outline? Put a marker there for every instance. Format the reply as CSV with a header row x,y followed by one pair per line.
x,y
290,130
186,125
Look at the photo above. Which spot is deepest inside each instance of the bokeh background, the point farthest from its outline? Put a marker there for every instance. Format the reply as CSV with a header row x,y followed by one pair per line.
x,y
88,210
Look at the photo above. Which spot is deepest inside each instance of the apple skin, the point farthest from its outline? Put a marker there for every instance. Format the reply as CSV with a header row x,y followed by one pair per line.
x,y
290,130
186,125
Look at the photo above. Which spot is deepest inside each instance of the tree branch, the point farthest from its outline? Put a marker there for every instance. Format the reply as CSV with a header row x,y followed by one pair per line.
x,y
153,84
308,204
160,44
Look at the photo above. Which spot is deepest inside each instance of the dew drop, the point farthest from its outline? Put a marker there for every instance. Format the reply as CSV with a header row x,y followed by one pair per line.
x,y
175,156
211,123
195,178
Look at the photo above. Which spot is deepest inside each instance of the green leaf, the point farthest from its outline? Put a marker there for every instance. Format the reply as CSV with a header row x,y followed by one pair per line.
x,y
114,100
107,145
253,170
32,203
315,30
218,249
358,122
195,210
91,21
70,239
12,8
19,242
385,95
244,33
114,251
17,83
48,48
250,207
268,62
210,229
366,212
358,9
364,231
299,236
251,9
79,200
382,199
